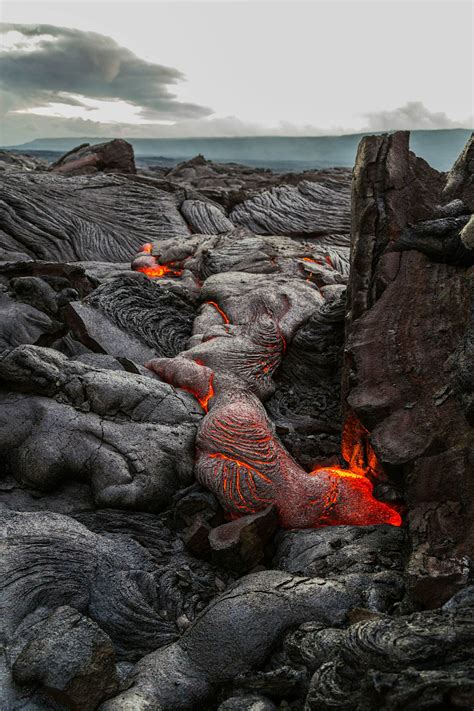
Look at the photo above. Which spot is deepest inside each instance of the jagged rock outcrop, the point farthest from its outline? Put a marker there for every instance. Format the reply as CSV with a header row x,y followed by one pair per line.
x,y
407,336
13,160
112,157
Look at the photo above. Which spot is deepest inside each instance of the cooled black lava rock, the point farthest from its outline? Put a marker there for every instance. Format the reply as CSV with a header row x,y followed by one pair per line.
x,y
71,657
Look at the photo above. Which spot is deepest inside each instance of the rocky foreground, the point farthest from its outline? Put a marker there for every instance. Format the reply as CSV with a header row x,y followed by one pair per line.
x,y
236,434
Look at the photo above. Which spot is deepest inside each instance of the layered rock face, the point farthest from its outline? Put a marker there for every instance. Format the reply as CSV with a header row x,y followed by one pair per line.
x,y
408,372
236,467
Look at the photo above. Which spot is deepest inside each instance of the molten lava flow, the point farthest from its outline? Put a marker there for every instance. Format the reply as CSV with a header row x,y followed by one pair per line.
x,y
159,270
203,400
351,494
238,456
150,266
220,311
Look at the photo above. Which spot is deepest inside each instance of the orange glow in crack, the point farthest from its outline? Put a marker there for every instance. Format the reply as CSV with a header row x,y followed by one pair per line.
x,y
360,496
203,400
220,311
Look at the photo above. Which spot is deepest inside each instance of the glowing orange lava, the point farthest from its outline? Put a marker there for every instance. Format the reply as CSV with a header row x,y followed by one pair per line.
x,y
146,248
357,490
220,311
159,270
203,400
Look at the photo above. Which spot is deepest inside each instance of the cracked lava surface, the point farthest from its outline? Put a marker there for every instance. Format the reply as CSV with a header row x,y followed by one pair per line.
x,y
239,341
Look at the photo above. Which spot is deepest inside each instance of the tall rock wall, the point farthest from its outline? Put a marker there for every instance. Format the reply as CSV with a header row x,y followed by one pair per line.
x,y
408,376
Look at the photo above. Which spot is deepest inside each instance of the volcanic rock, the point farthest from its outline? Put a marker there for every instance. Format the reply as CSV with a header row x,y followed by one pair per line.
x,y
90,218
205,218
132,437
112,157
308,209
408,314
233,635
240,544
395,663
250,702
460,179
14,161
325,374
230,184
71,658
100,335
159,315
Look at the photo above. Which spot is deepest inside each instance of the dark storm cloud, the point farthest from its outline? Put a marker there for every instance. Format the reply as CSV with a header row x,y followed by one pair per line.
x,y
65,61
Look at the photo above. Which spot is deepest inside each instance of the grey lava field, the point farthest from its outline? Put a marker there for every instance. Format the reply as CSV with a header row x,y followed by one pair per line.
x,y
236,434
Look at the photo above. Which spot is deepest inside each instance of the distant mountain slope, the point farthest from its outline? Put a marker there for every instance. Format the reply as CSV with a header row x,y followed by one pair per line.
x,y
440,148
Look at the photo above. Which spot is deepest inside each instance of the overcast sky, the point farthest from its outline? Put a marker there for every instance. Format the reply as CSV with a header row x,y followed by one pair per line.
x,y
233,68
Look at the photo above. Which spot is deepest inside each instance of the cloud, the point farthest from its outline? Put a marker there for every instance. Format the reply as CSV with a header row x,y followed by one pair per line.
x,y
49,64
413,115
59,82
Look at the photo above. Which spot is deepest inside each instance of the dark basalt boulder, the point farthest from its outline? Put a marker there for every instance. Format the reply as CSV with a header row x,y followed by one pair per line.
x,y
240,545
70,657
112,157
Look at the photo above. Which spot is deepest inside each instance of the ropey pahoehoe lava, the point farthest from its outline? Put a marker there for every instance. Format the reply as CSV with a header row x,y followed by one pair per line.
x,y
229,371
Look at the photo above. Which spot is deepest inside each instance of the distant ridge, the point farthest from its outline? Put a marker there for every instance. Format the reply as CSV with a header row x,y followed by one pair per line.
x,y
439,147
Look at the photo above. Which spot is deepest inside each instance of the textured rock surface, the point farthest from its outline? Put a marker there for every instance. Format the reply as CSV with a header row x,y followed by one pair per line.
x,y
230,184
234,634
308,209
112,157
408,315
240,544
101,218
395,663
70,657
130,436
121,580
160,317
205,218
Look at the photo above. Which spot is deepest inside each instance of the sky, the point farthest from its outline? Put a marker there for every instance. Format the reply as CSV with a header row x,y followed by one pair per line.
x,y
225,68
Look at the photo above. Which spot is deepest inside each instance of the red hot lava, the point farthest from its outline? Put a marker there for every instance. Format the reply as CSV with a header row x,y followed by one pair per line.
x,y
146,263
238,456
